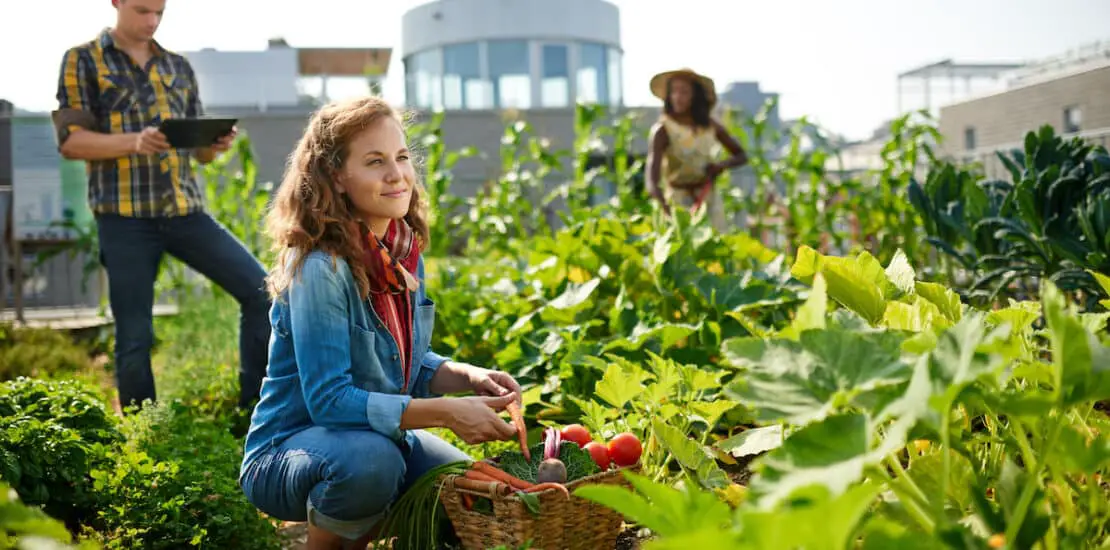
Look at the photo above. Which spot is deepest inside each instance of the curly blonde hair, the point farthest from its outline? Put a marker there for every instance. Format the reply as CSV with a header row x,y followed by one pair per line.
x,y
309,213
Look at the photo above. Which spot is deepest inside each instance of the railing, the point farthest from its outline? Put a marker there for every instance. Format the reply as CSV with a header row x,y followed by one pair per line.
x,y
993,167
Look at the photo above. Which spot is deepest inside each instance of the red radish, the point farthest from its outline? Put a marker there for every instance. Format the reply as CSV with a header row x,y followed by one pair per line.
x,y
625,449
600,453
551,443
576,433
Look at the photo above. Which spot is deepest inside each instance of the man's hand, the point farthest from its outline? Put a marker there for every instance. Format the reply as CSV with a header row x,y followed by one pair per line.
x,y
150,141
224,143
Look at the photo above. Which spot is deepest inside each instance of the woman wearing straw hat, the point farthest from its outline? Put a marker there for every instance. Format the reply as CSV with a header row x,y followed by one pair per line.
x,y
685,142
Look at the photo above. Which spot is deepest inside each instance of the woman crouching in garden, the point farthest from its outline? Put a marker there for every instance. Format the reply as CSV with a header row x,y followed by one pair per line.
x,y
337,435
682,168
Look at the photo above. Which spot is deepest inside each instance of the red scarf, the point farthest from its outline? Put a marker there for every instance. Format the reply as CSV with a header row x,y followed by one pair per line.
x,y
390,264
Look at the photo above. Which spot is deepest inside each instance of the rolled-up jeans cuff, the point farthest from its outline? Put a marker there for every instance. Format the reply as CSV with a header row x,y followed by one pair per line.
x,y
348,529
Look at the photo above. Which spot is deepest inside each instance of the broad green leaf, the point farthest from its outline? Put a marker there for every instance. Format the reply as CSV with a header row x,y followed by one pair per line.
x,y
882,534
691,455
927,471
945,299
821,373
1104,282
619,385
850,286
665,510
575,295
1081,363
667,335
1081,451
959,358
811,315
918,316
812,517
900,273
753,441
711,411
832,453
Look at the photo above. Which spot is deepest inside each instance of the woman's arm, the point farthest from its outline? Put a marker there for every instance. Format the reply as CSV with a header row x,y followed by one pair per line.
x,y
738,157
659,143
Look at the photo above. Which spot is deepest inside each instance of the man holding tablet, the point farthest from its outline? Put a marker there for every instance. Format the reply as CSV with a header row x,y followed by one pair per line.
x,y
113,94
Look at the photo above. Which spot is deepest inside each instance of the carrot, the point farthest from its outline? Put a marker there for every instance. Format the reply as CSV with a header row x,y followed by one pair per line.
x,y
545,486
521,430
478,476
501,476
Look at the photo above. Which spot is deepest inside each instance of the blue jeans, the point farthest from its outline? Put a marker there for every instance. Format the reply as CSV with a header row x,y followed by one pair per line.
x,y
341,481
131,251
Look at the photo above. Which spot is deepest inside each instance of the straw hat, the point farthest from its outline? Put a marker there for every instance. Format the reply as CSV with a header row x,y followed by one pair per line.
x,y
659,83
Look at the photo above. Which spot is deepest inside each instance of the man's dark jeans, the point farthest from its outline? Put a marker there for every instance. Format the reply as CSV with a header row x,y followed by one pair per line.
x,y
131,250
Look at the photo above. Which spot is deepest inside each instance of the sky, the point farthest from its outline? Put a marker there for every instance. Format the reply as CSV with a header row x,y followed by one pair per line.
x,y
834,61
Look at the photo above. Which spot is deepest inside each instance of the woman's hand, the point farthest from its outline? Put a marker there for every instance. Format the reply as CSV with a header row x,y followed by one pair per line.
x,y
475,419
493,383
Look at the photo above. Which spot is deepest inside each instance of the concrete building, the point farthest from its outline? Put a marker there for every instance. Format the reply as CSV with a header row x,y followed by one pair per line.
x,y
1071,92
484,61
282,77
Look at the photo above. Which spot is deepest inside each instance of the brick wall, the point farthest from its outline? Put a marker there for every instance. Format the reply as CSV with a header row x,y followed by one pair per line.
x,y
1004,118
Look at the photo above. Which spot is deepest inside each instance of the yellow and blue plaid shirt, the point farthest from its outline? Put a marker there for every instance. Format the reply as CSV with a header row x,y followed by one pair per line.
x,y
102,89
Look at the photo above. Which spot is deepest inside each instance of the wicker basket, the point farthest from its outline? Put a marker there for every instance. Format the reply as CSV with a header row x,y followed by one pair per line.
x,y
562,524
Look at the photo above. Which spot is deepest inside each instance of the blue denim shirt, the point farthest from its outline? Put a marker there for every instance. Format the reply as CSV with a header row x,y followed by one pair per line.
x,y
333,363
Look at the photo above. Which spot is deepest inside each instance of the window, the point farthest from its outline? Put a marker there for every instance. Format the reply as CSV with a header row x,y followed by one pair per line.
x,y
592,77
555,85
969,138
616,97
1073,119
423,83
463,87
509,71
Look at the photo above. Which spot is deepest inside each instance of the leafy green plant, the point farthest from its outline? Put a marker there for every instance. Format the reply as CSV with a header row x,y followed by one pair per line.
x,y
52,434
25,527
1051,221
40,353
175,485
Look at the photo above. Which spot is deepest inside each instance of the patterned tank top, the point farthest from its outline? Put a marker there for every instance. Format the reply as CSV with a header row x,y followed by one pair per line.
x,y
690,151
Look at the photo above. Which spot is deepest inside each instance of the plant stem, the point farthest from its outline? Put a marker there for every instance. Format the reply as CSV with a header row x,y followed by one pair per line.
x,y
906,495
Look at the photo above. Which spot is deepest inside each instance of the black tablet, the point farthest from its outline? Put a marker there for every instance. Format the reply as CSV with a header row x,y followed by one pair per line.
x,y
193,133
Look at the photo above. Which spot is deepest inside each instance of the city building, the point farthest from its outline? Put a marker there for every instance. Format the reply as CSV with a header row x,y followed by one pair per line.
x,y
1070,92
273,91
482,62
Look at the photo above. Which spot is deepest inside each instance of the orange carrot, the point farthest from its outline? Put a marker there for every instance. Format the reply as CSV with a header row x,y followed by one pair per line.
x,y
521,430
545,486
478,476
501,476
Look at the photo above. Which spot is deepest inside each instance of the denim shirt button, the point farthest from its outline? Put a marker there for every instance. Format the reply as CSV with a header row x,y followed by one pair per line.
x,y
395,357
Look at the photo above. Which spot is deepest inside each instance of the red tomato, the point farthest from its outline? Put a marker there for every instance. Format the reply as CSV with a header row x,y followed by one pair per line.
x,y
576,433
625,449
600,453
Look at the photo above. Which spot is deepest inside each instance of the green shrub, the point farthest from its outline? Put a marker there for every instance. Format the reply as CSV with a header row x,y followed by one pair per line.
x,y
23,527
175,485
52,434
39,353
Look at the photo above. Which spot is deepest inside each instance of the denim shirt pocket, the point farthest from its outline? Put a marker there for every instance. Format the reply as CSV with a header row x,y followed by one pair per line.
x,y
365,365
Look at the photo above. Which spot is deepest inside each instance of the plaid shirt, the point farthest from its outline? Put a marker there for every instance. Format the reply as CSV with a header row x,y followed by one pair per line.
x,y
102,89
